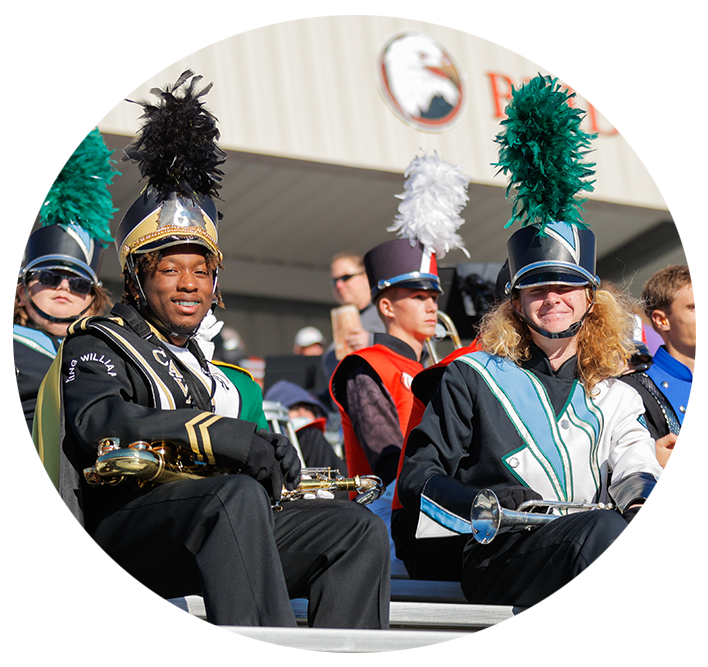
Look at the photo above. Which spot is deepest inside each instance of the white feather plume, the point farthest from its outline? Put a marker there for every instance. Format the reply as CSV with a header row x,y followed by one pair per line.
x,y
435,193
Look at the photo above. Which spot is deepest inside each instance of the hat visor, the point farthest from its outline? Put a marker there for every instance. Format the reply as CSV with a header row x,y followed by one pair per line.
x,y
413,283
536,279
57,263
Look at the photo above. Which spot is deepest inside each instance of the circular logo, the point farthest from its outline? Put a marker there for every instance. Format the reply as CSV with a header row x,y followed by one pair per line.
x,y
420,83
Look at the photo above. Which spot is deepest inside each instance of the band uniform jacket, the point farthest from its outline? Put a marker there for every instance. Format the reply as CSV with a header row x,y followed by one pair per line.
x,y
673,378
665,389
33,351
115,377
494,424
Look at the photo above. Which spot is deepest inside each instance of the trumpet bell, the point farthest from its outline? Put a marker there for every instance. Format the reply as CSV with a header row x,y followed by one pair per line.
x,y
486,516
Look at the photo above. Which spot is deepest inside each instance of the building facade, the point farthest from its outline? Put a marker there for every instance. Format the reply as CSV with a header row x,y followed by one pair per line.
x,y
319,129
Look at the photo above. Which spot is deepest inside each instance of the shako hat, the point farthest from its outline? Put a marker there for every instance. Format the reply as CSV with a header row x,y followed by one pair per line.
x,y
176,152
400,264
563,254
428,219
75,215
541,148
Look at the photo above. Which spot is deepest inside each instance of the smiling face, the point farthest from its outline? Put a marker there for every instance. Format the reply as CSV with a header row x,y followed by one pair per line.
x,y
180,290
553,308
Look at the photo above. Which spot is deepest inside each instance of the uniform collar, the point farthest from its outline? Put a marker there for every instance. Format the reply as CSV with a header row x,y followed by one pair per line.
x,y
395,345
540,363
672,365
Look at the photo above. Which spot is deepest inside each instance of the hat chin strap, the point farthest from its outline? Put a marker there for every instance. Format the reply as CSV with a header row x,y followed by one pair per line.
x,y
571,331
51,318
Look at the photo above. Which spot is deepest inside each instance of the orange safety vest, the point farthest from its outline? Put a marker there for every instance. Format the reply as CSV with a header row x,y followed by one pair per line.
x,y
396,373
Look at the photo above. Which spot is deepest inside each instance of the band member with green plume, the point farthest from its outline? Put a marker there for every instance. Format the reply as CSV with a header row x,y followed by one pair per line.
x,y
58,282
537,413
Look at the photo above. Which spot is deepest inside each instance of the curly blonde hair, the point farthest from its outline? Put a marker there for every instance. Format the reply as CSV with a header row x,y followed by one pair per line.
x,y
605,341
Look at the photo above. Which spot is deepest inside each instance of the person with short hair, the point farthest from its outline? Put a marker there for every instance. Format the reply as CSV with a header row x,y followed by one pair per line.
x,y
351,286
665,387
372,386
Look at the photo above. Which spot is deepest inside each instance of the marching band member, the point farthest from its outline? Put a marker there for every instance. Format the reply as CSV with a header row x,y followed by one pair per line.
x,y
536,412
58,282
372,386
140,374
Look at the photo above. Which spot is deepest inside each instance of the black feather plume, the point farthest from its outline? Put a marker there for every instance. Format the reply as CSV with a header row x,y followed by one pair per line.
x,y
175,148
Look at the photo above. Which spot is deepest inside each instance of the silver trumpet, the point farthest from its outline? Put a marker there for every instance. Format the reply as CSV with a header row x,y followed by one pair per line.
x,y
489,518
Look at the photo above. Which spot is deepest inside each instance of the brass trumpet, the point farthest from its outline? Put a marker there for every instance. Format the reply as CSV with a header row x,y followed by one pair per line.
x,y
163,462
489,518
443,329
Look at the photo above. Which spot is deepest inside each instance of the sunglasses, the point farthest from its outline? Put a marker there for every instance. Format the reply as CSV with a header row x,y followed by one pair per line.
x,y
53,280
345,278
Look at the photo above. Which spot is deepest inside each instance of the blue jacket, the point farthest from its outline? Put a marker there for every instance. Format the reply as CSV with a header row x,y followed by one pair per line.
x,y
673,378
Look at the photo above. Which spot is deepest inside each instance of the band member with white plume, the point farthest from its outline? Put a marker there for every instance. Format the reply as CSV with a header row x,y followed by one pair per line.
x,y
140,375
371,386
435,193
536,413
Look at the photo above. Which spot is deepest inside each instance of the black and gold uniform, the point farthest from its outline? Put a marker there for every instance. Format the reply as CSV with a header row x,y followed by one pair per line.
x,y
217,536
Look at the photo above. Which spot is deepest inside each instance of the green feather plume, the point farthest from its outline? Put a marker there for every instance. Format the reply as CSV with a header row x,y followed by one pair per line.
x,y
541,148
80,192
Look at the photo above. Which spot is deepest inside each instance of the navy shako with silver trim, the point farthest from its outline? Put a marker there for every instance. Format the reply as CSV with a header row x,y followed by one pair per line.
x,y
560,254
401,263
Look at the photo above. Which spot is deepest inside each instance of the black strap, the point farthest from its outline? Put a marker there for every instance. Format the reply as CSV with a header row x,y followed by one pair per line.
x,y
667,410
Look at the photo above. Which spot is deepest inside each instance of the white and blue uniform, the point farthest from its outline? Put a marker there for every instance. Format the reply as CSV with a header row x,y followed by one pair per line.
x,y
494,424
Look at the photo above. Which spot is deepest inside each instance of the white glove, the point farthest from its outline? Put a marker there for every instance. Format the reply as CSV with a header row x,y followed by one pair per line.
x,y
207,330
321,493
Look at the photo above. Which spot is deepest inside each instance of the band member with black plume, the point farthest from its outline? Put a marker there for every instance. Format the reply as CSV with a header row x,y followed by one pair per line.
x,y
141,375
58,282
536,413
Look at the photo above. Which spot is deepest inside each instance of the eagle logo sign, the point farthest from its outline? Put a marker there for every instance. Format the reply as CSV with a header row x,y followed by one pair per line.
x,y
420,83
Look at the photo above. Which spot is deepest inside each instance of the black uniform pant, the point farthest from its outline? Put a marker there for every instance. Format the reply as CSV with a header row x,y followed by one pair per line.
x,y
220,538
590,560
